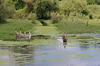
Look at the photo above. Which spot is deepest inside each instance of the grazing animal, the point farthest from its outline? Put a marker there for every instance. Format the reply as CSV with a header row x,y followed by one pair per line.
x,y
64,37
20,35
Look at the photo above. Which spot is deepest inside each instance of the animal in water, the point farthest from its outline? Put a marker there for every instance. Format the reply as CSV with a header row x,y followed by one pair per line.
x,y
64,37
20,35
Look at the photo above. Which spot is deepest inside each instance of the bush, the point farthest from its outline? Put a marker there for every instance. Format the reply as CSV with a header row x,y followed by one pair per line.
x,y
90,1
93,2
85,12
10,12
94,11
3,12
20,14
43,9
32,16
55,18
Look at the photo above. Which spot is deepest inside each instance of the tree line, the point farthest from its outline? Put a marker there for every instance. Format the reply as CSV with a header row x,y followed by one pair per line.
x,y
49,9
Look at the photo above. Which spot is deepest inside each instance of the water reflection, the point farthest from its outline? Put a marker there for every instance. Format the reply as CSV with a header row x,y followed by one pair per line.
x,y
18,55
65,44
96,45
24,49
84,46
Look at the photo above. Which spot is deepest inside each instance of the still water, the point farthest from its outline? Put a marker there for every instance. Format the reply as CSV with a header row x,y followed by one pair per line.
x,y
78,53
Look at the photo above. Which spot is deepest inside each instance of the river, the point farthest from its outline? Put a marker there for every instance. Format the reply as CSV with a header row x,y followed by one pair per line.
x,y
76,53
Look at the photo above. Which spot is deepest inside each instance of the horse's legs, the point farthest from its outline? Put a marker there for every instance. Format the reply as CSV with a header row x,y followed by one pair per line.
x,y
30,38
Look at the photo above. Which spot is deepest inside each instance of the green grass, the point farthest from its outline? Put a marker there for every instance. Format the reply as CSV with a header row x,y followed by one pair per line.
x,y
7,32
79,27
8,29
46,30
50,30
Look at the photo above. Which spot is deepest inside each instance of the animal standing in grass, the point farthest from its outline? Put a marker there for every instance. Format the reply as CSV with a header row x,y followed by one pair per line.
x,y
20,35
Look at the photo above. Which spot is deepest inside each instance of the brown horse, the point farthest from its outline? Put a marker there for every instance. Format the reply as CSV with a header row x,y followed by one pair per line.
x,y
20,35
64,37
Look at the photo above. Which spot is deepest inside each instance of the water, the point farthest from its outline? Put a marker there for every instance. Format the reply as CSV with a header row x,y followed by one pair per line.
x,y
86,34
58,54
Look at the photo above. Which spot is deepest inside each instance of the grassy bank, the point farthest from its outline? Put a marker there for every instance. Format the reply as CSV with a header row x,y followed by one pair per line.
x,y
79,27
7,30
33,42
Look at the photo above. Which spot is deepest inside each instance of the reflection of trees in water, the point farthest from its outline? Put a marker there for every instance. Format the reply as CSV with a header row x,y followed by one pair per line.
x,y
83,41
23,49
65,44
96,45
84,46
21,54
25,54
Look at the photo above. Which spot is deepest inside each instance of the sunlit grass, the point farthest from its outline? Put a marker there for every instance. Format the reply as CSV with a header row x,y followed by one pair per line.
x,y
46,30
79,27
84,37
7,30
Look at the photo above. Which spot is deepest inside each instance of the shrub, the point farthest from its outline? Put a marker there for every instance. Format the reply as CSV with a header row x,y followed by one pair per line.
x,y
44,9
20,14
32,16
3,12
85,12
55,17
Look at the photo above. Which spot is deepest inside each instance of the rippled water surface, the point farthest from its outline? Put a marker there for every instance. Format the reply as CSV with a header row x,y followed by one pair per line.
x,y
79,53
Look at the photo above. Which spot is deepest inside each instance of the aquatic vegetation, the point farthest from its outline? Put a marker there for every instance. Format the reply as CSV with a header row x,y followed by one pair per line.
x,y
34,42
84,37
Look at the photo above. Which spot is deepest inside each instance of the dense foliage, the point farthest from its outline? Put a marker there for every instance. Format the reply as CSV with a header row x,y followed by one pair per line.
x,y
2,12
42,9
93,2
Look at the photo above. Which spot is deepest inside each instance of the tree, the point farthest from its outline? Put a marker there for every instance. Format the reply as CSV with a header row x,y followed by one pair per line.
x,y
90,1
5,11
93,2
19,4
44,9
2,12
73,7
29,5
97,2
